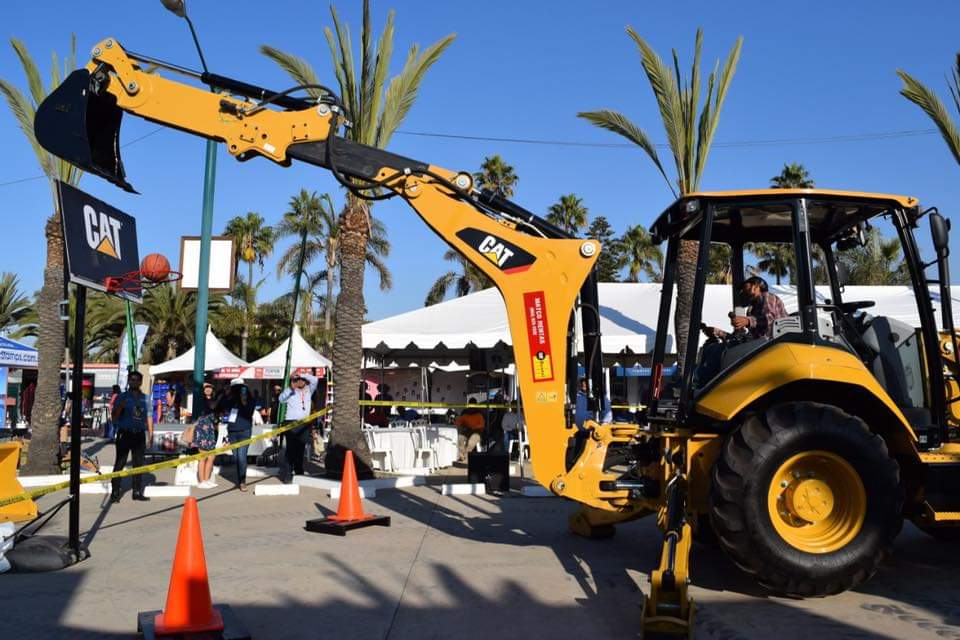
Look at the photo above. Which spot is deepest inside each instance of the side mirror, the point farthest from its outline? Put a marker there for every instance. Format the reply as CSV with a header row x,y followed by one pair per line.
x,y
843,275
940,232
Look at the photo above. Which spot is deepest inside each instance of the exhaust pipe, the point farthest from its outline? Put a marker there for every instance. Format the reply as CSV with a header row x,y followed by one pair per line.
x,y
80,123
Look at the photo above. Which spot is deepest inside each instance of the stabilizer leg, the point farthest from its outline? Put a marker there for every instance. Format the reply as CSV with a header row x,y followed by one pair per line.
x,y
668,611
597,524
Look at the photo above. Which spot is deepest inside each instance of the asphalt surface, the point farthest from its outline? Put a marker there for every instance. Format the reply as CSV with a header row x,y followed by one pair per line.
x,y
449,567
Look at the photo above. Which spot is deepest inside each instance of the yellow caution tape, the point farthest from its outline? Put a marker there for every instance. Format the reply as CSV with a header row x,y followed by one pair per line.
x,y
436,405
42,491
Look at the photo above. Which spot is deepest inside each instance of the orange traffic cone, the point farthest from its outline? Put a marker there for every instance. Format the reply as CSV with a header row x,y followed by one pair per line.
x,y
189,609
350,513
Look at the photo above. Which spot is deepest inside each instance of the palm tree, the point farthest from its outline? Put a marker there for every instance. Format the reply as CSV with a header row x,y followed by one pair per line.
x,y
792,176
497,176
689,137
877,263
50,343
376,106
642,255
719,269
319,216
468,280
568,214
14,307
917,93
774,258
253,242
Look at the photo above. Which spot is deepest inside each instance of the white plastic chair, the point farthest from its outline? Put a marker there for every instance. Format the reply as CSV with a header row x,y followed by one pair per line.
x,y
424,453
382,458
521,444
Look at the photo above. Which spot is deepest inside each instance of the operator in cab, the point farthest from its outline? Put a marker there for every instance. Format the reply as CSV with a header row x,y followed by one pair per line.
x,y
762,309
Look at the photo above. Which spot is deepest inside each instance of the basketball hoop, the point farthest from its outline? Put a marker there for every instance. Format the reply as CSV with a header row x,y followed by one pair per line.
x,y
135,282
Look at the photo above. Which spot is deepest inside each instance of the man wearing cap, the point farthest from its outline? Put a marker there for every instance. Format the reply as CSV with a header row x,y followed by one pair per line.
x,y
298,400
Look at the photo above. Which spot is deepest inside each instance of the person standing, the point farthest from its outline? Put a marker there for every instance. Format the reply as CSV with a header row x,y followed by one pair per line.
x,y
298,398
131,415
205,435
236,409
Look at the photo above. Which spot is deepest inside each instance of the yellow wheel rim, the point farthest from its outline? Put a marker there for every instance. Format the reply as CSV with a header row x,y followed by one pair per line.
x,y
817,502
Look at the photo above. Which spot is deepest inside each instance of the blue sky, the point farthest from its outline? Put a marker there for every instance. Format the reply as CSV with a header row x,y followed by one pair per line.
x,y
515,70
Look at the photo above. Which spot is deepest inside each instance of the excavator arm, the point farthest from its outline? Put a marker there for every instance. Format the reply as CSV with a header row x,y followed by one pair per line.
x,y
539,270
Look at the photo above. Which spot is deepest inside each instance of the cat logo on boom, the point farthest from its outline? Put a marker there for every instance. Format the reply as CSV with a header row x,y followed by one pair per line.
x,y
507,256
103,232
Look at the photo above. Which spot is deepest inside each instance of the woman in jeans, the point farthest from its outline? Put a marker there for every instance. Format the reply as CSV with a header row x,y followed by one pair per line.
x,y
236,409
205,435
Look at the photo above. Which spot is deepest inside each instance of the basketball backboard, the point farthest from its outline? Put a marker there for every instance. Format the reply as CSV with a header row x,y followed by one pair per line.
x,y
222,263
101,241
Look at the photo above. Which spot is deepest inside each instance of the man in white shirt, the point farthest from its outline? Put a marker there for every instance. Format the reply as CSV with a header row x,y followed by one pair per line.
x,y
297,400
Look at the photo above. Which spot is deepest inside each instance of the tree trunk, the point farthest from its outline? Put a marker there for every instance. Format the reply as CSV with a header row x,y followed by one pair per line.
x,y
346,433
686,276
249,304
328,305
44,448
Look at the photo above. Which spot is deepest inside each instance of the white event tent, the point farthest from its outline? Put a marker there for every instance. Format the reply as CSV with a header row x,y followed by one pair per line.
x,y
303,357
628,312
217,357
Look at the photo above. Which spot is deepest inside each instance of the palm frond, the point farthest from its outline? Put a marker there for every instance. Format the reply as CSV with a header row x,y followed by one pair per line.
x,y
34,83
296,67
917,93
380,267
402,90
723,85
439,289
667,94
382,68
24,112
344,60
622,126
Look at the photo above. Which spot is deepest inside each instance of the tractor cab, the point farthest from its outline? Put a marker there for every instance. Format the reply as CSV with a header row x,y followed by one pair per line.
x,y
811,230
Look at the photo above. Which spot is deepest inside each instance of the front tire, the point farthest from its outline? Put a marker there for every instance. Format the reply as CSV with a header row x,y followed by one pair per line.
x,y
806,499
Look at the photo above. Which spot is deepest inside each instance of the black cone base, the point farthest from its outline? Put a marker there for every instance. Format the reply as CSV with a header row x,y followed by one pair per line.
x,y
233,628
340,527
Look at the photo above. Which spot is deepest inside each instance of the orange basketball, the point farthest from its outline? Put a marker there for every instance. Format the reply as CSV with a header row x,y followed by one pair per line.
x,y
155,267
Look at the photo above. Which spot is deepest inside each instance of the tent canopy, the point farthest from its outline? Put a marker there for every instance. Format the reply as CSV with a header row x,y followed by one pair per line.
x,y
303,357
217,356
17,355
628,319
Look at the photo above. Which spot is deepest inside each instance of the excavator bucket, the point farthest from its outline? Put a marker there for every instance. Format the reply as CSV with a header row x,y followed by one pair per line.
x,y
82,126
23,510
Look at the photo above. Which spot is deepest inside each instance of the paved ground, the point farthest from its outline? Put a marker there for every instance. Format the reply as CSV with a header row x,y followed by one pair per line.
x,y
450,567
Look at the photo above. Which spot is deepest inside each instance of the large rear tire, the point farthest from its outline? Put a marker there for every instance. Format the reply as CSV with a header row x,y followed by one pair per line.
x,y
806,499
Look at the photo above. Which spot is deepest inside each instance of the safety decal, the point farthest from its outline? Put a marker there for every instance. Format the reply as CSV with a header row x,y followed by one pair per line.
x,y
507,256
538,332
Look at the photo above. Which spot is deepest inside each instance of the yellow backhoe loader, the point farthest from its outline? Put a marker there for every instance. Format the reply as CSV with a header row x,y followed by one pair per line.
x,y
803,449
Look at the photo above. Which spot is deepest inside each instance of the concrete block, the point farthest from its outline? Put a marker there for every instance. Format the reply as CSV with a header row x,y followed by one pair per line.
x,y
262,489
262,472
464,489
166,491
365,492
95,488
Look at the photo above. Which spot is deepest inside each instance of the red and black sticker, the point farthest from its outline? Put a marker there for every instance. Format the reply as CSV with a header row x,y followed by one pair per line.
x,y
538,332
507,256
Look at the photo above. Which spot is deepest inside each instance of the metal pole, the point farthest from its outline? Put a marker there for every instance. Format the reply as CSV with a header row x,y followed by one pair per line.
x,y
203,280
76,421
131,339
293,321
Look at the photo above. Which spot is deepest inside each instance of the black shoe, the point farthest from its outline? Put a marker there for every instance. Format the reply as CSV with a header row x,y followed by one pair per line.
x,y
114,498
141,497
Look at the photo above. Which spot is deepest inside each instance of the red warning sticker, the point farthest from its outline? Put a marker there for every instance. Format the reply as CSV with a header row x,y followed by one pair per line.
x,y
539,334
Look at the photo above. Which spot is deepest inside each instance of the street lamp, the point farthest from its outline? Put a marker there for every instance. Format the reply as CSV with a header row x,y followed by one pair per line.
x,y
179,8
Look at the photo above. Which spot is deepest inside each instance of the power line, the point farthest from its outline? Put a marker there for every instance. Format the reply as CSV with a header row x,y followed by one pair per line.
x,y
733,144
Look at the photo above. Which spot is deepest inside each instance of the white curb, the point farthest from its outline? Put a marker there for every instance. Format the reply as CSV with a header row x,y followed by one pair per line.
x,y
166,491
461,489
261,489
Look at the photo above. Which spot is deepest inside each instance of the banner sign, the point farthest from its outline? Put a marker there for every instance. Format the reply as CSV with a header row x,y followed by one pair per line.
x,y
262,373
101,241
538,334
16,355
642,372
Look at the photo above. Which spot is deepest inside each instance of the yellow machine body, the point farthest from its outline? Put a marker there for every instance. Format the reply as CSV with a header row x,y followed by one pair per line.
x,y
24,510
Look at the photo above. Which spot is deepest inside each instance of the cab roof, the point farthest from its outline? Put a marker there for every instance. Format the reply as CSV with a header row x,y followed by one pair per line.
x,y
764,215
